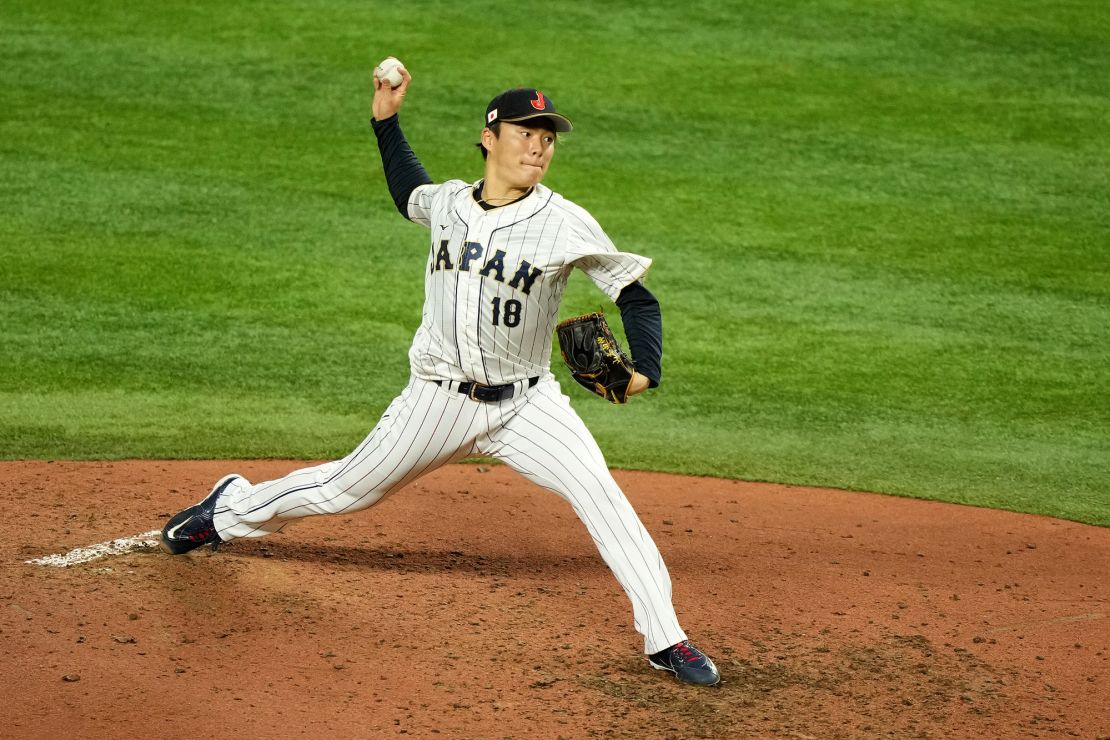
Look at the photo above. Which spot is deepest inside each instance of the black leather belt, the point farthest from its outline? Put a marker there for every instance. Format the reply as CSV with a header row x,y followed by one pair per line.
x,y
489,393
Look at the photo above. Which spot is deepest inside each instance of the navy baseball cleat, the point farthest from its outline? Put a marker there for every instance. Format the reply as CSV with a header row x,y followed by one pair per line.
x,y
687,663
193,527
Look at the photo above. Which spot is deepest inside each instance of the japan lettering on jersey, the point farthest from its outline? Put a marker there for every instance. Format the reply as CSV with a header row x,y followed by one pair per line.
x,y
495,278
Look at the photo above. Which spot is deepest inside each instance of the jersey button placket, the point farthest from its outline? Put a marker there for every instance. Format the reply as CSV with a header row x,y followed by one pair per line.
x,y
468,308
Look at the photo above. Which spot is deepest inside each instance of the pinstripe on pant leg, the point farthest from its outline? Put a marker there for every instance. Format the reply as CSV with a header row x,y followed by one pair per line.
x,y
423,428
546,442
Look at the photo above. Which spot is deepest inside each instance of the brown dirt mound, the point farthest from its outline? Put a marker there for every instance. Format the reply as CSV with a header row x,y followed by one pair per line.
x,y
473,604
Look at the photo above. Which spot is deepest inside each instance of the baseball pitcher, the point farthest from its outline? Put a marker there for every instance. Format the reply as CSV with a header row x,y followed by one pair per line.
x,y
499,252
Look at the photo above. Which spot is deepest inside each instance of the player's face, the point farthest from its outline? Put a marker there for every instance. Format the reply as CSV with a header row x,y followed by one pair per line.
x,y
521,154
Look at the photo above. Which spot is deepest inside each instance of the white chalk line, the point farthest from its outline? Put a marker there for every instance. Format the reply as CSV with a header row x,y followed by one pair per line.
x,y
1056,620
102,549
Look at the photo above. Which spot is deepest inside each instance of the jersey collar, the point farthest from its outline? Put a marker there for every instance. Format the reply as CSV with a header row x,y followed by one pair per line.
x,y
524,207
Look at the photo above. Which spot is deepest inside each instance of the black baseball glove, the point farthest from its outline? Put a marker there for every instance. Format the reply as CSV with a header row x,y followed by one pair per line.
x,y
595,359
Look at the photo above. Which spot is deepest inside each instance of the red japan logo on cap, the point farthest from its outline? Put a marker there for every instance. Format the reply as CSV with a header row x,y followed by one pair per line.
x,y
539,103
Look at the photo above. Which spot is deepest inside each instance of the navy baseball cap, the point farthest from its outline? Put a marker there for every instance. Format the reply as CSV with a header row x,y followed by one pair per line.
x,y
522,104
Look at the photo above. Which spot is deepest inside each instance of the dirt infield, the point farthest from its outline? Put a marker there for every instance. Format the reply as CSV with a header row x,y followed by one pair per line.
x,y
474,605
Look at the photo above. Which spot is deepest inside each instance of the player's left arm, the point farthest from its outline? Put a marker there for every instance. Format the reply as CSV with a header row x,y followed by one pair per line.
x,y
618,275
643,326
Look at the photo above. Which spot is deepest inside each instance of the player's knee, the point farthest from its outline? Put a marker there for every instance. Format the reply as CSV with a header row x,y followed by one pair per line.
x,y
337,499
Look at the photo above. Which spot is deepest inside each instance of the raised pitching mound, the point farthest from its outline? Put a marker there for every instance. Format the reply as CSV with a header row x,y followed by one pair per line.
x,y
473,604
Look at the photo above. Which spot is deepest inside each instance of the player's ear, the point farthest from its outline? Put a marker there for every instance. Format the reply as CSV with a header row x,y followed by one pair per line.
x,y
488,137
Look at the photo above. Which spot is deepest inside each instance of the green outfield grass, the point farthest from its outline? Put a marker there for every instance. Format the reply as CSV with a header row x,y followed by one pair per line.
x,y
881,230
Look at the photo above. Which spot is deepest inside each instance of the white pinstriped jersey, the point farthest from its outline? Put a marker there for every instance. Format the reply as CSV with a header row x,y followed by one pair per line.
x,y
495,278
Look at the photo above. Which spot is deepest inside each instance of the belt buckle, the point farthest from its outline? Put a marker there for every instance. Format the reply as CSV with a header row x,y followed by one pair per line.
x,y
473,389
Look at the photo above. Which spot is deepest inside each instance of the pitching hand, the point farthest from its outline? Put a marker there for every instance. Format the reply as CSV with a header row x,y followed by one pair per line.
x,y
388,100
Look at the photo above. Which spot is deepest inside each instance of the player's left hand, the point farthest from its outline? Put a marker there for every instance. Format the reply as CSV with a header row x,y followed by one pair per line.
x,y
596,360
388,100
637,384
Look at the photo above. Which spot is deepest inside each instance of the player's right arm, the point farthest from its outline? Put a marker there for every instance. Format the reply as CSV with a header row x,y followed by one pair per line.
x,y
403,171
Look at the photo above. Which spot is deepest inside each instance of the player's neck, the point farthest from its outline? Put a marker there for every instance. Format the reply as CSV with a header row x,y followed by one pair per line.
x,y
496,192
491,197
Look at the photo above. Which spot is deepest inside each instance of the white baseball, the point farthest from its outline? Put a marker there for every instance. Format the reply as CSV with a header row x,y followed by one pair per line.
x,y
389,71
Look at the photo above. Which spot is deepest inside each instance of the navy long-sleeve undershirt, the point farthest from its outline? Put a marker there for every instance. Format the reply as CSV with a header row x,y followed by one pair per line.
x,y
403,171
643,325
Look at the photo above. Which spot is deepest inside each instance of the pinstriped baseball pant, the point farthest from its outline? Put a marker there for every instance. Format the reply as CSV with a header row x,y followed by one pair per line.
x,y
536,433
